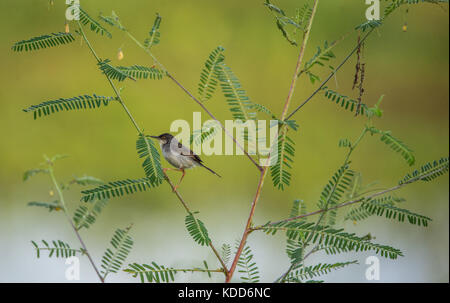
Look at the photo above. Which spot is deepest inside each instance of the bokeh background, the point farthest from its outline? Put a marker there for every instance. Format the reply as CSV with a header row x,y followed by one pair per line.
x,y
410,68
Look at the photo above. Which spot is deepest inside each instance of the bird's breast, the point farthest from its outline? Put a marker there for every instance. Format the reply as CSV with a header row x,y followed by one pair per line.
x,y
177,160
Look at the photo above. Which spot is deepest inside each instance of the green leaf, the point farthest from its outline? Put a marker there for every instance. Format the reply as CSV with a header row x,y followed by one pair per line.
x,y
56,248
369,25
285,23
357,213
55,158
152,273
345,102
94,26
336,238
247,267
394,213
154,34
261,108
209,76
207,133
45,41
141,72
85,217
313,271
159,273
87,181
225,253
281,24
280,172
113,72
147,150
397,3
303,15
294,248
385,206
396,145
197,230
235,95
50,206
274,8
428,172
334,190
321,57
67,104
32,172
116,189
345,143
114,257
112,20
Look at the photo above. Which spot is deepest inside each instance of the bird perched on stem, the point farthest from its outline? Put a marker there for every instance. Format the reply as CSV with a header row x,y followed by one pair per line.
x,y
179,156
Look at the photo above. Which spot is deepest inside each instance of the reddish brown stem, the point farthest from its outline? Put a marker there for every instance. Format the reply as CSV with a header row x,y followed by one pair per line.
x,y
264,170
247,229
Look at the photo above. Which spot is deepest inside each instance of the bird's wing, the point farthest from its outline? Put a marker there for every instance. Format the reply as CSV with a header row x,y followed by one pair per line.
x,y
185,151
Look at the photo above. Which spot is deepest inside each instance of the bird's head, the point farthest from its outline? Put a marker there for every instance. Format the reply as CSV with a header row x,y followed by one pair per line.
x,y
164,138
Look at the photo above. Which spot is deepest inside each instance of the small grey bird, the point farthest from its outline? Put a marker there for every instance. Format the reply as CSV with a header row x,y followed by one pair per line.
x,y
179,156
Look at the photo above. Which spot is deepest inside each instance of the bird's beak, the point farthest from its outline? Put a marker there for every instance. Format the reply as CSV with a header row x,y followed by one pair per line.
x,y
154,137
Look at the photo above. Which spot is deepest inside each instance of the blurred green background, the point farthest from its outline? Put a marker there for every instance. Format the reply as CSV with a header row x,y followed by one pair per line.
x,y
409,68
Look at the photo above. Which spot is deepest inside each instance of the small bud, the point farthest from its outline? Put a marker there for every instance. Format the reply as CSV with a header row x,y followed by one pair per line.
x,y
405,27
51,193
120,54
66,28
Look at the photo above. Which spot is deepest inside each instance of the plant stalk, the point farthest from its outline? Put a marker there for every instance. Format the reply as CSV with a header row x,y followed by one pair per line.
x,y
119,98
63,204
263,174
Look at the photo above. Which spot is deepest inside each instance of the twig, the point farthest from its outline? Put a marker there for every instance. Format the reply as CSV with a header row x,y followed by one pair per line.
x,y
265,169
247,226
330,76
140,132
186,207
380,193
63,204
325,208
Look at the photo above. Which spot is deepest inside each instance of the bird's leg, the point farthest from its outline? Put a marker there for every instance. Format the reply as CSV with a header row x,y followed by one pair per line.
x,y
169,168
179,182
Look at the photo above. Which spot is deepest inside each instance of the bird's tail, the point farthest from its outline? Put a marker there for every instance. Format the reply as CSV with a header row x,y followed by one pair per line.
x,y
210,170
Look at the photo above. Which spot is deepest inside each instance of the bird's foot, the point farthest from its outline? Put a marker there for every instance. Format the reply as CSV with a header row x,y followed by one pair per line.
x,y
175,188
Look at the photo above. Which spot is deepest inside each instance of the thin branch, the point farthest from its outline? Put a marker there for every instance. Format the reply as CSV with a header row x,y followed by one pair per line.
x,y
331,75
344,204
116,91
247,226
325,208
247,229
218,270
186,207
323,211
63,204
140,132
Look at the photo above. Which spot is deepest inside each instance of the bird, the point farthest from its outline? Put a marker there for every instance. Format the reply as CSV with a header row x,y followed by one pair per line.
x,y
179,156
